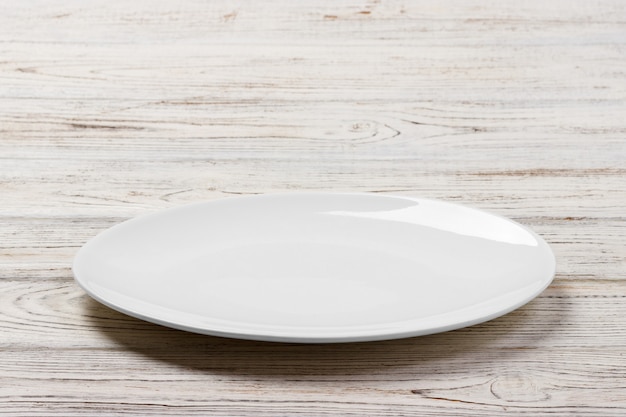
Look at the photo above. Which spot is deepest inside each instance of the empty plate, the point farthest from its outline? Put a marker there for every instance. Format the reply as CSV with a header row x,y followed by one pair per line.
x,y
318,267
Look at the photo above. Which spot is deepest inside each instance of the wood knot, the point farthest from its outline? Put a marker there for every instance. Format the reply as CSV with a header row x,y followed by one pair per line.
x,y
361,127
517,388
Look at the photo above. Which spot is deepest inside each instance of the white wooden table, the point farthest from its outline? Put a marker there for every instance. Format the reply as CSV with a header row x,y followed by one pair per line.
x,y
111,109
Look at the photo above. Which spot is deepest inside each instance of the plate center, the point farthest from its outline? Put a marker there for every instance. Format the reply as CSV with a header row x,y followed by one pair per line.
x,y
304,283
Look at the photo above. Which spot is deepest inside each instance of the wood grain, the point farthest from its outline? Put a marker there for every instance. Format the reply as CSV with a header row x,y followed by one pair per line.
x,y
113,109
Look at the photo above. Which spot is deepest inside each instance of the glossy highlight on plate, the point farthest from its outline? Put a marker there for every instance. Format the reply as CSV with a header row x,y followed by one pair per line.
x,y
316,267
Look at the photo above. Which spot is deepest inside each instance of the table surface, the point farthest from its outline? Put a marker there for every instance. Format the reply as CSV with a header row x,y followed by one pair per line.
x,y
114,109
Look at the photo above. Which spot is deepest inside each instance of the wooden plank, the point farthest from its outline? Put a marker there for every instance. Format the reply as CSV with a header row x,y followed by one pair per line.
x,y
45,312
586,247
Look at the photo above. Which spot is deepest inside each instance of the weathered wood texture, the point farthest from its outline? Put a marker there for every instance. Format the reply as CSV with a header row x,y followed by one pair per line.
x,y
114,109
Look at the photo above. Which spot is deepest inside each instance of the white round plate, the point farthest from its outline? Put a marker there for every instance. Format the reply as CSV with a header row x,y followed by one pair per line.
x,y
317,267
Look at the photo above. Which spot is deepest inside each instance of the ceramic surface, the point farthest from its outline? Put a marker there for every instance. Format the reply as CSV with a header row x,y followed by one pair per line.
x,y
316,267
